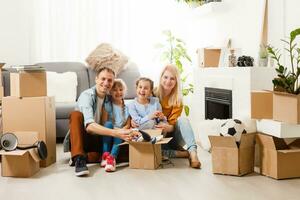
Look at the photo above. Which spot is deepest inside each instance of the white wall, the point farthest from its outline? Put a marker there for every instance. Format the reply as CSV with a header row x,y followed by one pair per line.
x,y
14,31
237,19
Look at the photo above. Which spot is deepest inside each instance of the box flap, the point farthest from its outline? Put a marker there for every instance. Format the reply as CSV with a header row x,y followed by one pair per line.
x,y
289,151
220,141
286,94
247,140
271,142
13,153
34,154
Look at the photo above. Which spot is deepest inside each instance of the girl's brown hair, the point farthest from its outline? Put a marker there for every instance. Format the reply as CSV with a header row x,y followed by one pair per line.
x,y
145,79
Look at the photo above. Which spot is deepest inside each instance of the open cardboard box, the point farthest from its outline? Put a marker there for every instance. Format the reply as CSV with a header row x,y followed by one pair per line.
x,y
144,155
32,114
209,57
286,107
28,84
277,159
261,105
21,163
229,158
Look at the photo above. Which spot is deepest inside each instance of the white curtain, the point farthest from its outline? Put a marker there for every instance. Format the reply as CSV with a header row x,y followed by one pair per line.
x,y
68,30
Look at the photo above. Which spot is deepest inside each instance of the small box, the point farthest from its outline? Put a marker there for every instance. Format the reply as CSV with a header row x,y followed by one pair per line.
x,y
28,84
286,107
21,163
278,129
209,57
1,93
228,158
277,160
32,114
261,105
144,155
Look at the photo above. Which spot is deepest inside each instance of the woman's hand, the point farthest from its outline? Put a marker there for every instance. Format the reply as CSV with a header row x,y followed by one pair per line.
x,y
166,128
123,134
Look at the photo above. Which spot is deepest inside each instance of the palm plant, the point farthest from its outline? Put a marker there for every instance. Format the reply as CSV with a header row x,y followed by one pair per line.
x,y
174,52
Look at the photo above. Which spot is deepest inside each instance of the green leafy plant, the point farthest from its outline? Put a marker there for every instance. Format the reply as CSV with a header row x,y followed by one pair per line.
x,y
200,2
174,52
287,80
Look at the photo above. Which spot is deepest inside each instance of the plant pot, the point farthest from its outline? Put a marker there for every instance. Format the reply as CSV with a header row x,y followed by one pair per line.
x,y
263,62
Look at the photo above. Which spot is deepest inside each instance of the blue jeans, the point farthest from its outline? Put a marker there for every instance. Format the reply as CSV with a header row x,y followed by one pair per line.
x,y
111,144
183,134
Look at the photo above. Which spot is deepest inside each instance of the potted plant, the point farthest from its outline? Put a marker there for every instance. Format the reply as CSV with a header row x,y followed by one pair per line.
x,y
286,101
193,3
263,56
174,52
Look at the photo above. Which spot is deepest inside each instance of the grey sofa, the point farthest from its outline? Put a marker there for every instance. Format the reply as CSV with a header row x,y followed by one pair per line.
x,y
85,79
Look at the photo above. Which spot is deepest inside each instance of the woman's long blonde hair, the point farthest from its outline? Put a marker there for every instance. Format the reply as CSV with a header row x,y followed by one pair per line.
x,y
175,98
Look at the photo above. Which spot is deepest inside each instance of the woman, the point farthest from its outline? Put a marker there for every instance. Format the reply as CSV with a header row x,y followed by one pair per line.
x,y
170,96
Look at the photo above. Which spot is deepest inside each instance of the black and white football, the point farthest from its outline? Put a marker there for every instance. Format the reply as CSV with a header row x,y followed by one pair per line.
x,y
234,128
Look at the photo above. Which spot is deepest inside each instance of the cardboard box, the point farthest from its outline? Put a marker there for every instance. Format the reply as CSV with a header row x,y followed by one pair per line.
x,y
277,160
144,155
32,114
1,91
21,163
28,84
209,57
286,107
261,105
229,159
278,129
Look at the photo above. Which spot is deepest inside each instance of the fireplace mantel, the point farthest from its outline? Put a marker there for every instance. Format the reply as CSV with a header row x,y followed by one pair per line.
x,y
241,80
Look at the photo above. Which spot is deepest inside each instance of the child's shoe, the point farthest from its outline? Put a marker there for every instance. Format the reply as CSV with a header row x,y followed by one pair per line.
x,y
104,158
110,164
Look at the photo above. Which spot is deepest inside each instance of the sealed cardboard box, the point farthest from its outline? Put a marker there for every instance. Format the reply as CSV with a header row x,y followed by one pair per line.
x,y
1,93
209,57
277,160
278,129
28,84
21,163
229,158
286,107
32,114
261,105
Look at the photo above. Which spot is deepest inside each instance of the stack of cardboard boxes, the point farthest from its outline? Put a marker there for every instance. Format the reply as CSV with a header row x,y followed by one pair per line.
x,y
29,110
278,121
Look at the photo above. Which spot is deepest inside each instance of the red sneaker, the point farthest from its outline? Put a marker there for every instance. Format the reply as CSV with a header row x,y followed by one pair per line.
x,y
104,158
110,164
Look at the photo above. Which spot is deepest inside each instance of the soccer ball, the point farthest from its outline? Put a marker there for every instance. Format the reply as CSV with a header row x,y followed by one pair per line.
x,y
234,128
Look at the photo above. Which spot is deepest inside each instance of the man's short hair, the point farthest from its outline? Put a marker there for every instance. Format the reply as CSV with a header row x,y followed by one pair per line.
x,y
105,69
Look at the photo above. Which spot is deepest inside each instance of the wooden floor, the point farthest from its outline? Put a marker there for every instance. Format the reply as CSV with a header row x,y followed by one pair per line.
x,y
172,182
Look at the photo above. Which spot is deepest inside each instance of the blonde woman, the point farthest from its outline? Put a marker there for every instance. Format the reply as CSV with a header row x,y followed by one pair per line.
x,y
170,97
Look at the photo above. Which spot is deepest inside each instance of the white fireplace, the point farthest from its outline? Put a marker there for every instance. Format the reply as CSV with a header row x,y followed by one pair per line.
x,y
240,80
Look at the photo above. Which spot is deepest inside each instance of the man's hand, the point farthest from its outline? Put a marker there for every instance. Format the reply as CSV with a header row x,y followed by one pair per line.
x,y
123,134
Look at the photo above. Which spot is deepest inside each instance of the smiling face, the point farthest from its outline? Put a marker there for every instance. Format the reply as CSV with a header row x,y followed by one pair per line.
x,y
104,81
168,81
117,93
143,90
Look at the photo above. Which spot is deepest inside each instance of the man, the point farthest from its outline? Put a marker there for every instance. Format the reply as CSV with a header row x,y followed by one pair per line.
x,y
85,123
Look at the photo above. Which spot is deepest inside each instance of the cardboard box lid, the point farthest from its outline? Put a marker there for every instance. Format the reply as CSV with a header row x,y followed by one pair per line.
x,y
271,142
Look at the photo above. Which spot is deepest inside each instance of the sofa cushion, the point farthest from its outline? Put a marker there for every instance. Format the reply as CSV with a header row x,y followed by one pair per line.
x,y
79,68
129,76
63,110
63,86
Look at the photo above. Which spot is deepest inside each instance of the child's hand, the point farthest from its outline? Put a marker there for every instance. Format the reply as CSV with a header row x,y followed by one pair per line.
x,y
156,114
160,115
